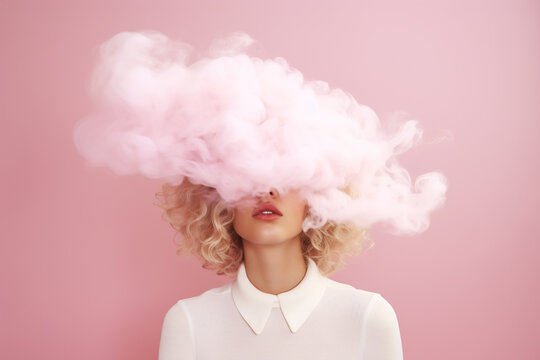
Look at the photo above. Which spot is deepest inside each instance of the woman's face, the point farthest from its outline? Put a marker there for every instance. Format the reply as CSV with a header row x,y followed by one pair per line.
x,y
262,229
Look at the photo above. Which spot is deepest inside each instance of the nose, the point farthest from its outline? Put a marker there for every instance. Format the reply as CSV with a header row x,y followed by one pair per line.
x,y
272,193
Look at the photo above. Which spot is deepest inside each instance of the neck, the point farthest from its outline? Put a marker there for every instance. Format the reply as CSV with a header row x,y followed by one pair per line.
x,y
275,268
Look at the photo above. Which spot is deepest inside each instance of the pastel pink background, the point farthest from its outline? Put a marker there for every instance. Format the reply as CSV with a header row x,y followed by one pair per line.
x,y
88,267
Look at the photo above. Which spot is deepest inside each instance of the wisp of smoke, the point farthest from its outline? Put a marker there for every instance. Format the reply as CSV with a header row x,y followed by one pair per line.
x,y
243,125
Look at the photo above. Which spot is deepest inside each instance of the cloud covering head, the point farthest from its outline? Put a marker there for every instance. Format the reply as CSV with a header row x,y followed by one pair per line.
x,y
243,125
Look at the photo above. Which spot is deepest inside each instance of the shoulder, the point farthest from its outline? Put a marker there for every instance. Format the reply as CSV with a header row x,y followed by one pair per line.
x,y
360,298
186,310
180,321
349,289
381,332
176,316
380,315
368,303
207,298
378,322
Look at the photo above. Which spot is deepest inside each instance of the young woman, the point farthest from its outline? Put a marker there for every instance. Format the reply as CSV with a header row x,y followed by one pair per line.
x,y
270,179
281,304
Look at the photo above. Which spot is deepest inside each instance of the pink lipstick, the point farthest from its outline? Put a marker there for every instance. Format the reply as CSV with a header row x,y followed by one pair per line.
x,y
267,211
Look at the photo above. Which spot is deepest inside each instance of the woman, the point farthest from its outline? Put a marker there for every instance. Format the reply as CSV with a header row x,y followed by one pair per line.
x,y
230,133
281,304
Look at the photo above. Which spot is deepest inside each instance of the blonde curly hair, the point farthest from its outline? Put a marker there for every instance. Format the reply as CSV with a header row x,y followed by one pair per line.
x,y
205,225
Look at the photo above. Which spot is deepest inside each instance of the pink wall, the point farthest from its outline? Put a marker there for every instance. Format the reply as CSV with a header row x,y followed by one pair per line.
x,y
88,267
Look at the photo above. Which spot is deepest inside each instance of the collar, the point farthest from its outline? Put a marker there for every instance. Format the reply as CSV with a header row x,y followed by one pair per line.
x,y
296,304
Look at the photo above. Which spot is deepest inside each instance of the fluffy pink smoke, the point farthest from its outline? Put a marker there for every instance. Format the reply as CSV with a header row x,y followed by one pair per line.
x,y
243,125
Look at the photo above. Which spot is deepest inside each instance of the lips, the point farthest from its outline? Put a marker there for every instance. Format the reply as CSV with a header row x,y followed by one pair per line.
x,y
266,207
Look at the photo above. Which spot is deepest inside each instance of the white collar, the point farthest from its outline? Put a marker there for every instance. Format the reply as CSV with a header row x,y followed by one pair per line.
x,y
296,304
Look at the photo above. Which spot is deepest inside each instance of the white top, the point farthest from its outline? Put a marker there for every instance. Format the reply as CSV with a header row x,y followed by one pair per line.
x,y
318,319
